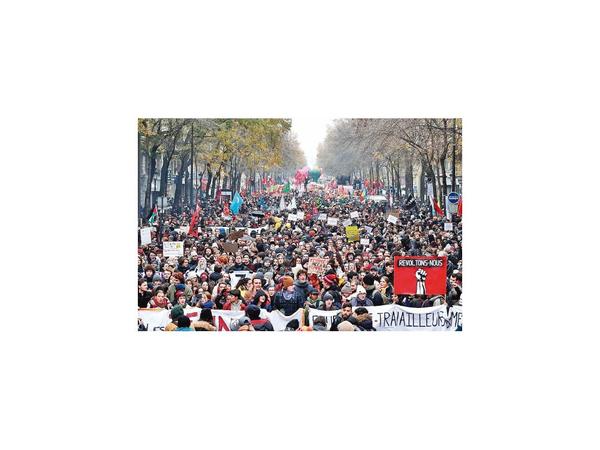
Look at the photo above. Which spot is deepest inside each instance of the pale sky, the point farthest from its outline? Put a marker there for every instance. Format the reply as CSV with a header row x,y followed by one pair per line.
x,y
310,131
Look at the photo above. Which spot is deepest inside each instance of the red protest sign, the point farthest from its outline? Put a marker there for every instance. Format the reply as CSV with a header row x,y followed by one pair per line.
x,y
317,265
424,275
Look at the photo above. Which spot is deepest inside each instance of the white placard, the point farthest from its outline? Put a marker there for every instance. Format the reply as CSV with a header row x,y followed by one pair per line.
x,y
173,248
364,241
332,221
392,219
354,215
145,235
448,226
322,216
369,229
347,222
292,217
300,215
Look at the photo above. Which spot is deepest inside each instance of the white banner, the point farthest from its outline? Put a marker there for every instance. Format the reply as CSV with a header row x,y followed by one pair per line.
x,y
145,235
392,219
157,319
364,241
332,221
173,248
401,318
385,318
354,215
448,226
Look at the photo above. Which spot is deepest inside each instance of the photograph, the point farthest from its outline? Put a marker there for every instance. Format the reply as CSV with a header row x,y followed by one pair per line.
x,y
299,224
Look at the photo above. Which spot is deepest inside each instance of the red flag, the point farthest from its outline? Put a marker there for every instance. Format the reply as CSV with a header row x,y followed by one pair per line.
x,y
460,206
193,231
435,206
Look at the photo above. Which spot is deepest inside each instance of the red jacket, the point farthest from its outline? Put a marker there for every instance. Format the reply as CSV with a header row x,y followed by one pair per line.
x,y
227,306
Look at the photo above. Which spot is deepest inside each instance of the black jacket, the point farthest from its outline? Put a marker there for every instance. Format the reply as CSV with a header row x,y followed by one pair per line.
x,y
290,306
262,325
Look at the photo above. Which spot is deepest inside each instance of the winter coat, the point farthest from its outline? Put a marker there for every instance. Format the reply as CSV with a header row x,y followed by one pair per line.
x,y
203,325
262,325
302,287
172,289
356,302
144,298
290,305
375,297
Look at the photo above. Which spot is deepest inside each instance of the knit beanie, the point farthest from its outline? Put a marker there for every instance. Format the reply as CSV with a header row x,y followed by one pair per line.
x,y
176,312
331,278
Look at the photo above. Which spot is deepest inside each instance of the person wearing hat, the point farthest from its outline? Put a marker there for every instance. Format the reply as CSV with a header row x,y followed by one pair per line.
x,y
372,293
331,286
244,324
176,313
253,313
183,324
361,298
177,284
288,300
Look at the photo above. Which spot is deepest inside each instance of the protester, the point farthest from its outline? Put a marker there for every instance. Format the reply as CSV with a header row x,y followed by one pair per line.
x,y
253,312
206,322
183,324
276,254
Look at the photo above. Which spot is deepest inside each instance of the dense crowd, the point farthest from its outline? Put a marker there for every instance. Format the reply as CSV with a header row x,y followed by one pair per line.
x,y
275,253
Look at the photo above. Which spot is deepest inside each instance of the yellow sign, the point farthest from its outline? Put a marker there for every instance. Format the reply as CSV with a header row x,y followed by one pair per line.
x,y
352,233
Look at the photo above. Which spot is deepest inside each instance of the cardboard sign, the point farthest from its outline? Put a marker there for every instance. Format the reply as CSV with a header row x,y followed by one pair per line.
x,y
322,216
448,226
332,221
392,219
235,235
347,222
229,247
354,215
145,235
317,265
420,275
365,241
352,233
173,248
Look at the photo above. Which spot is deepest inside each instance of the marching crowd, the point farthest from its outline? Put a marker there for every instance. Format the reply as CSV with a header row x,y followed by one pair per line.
x,y
273,253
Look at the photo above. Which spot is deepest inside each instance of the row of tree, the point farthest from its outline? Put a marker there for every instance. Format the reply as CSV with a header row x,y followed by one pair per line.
x,y
393,150
218,150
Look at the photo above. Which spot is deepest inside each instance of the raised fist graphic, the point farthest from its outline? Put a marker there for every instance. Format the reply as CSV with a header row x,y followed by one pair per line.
x,y
421,275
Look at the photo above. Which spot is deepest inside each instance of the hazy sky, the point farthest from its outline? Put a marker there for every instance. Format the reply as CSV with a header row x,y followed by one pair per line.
x,y
310,131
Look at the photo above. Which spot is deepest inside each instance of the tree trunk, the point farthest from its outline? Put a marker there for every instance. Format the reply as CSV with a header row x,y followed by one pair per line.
x,y
454,156
179,184
409,175
148,196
